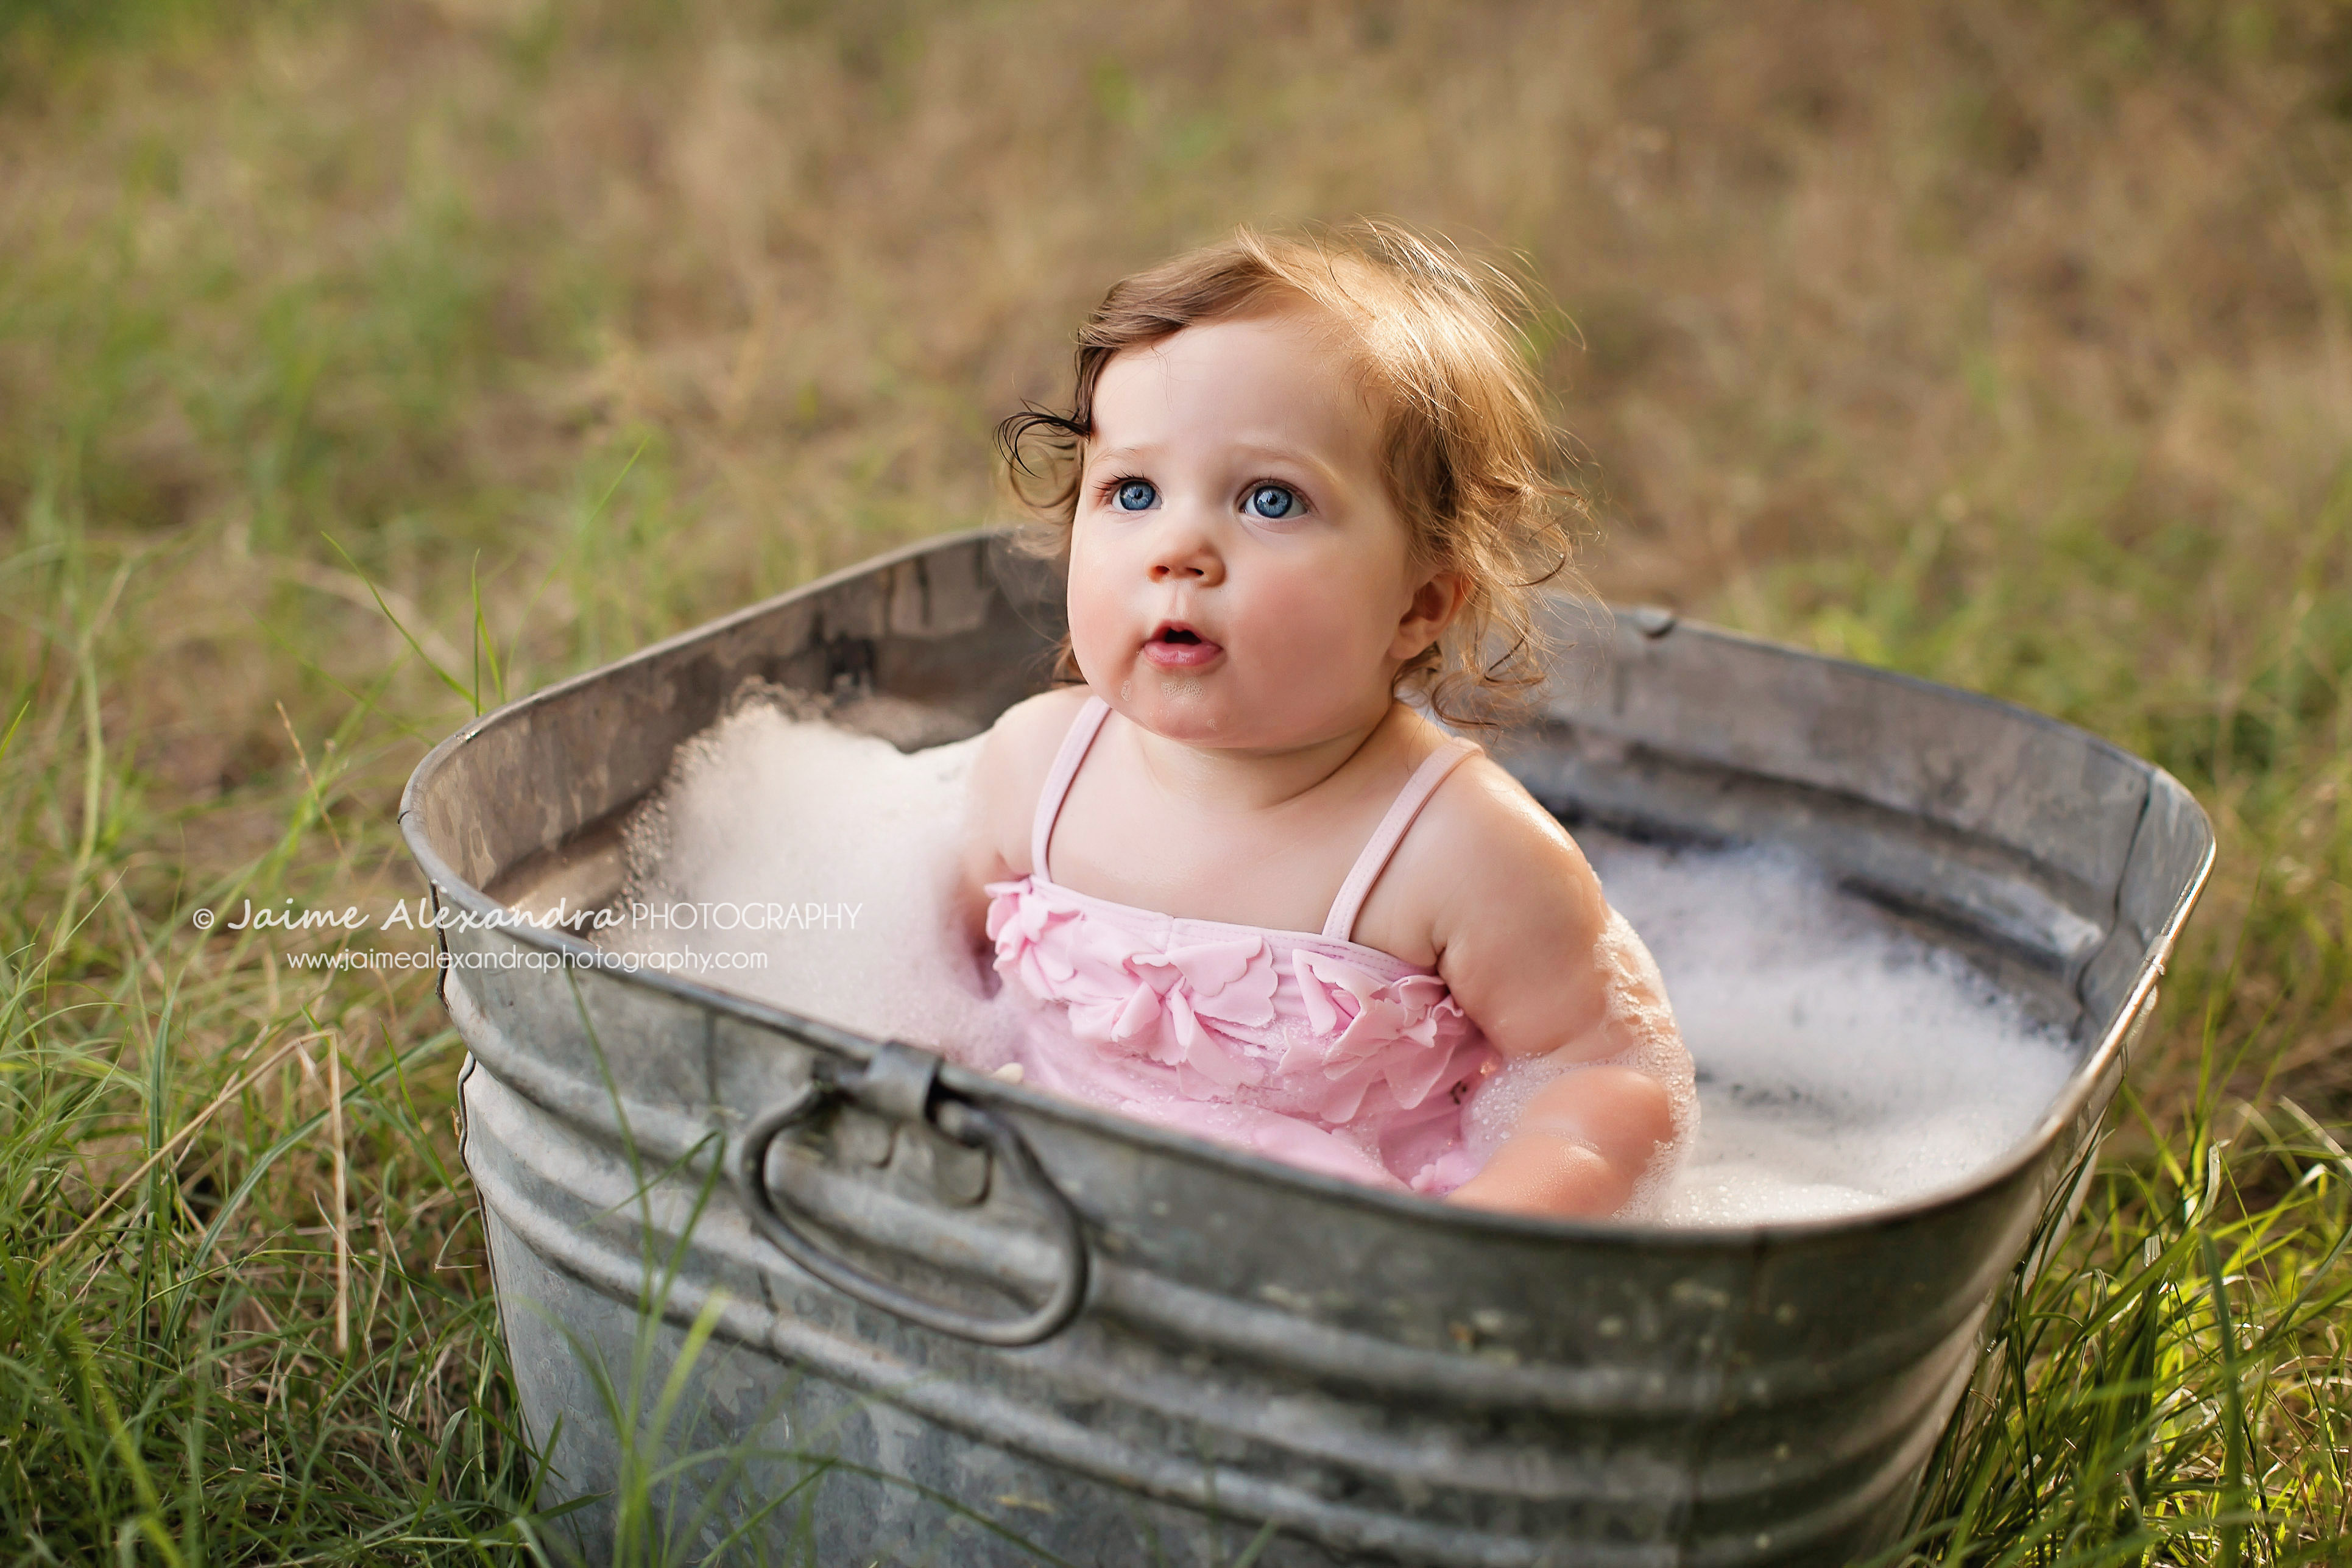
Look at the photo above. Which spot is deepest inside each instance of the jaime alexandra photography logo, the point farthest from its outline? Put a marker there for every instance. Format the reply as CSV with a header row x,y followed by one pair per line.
x,y
757,917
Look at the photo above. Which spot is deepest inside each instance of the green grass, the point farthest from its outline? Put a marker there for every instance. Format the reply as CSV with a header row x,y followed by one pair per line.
x,y
2007,344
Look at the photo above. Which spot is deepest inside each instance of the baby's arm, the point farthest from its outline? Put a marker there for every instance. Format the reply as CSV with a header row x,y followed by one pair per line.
x,y
1533,953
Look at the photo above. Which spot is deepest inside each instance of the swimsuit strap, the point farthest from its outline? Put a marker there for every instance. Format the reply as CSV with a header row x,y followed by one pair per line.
x,y
1082,730
1391,833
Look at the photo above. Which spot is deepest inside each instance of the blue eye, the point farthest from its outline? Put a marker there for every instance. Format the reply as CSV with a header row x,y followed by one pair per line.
x,y
1134,495
1271,500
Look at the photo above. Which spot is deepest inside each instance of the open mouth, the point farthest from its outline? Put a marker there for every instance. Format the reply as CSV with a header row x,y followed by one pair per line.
x,y
1175,645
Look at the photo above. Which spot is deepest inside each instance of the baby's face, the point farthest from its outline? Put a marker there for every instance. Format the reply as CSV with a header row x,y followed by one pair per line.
x,y
1237,572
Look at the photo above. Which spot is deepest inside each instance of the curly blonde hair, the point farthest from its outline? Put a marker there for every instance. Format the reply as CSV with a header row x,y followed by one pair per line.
x,y
1469,454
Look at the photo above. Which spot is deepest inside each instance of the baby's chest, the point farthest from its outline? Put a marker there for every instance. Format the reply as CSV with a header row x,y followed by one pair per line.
x,y
1282,880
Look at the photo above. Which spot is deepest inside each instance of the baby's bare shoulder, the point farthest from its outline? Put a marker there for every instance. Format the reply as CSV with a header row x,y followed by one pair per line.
x,y
1031,731
1013,761
1487,857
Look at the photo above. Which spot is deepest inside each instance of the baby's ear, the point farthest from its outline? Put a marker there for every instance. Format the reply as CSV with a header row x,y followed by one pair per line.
x,y
1430,610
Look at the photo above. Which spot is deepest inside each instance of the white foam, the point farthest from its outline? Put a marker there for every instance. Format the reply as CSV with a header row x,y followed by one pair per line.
x,y
1841,1063
764,809
1844,1064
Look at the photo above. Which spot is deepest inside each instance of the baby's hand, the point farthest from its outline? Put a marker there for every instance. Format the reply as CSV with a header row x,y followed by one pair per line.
x,y
1579,1149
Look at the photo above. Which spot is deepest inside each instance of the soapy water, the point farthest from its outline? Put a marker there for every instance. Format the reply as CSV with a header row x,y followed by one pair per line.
x,y
1843,1063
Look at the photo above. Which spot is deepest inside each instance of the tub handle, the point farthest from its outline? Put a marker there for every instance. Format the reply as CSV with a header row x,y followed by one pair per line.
x,y
902,1082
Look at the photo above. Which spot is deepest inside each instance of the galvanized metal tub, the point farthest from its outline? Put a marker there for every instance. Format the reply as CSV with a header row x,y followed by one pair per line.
x,y
1218,1354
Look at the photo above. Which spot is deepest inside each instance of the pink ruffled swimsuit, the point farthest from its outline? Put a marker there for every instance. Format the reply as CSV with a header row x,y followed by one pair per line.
x,y
1311,1049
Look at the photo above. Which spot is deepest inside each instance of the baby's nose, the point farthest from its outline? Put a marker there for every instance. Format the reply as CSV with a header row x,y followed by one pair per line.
x,y
1188,556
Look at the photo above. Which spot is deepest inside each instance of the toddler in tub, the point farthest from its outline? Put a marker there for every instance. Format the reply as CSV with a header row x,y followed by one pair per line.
x,y
1249,893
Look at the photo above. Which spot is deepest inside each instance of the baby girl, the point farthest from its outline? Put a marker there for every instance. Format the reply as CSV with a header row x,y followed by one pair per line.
x,y
1252,892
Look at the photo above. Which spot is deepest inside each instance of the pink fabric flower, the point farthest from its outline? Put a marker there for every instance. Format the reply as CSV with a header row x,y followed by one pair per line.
x,y
1160,999
1415,1011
